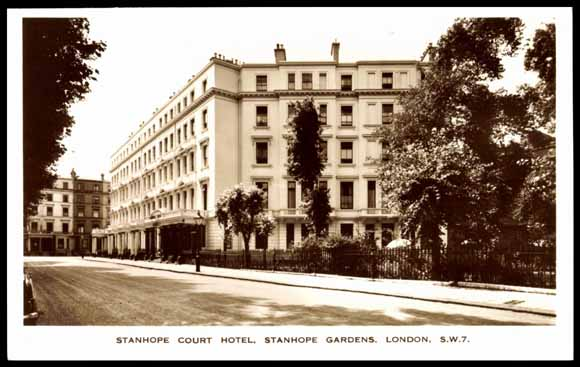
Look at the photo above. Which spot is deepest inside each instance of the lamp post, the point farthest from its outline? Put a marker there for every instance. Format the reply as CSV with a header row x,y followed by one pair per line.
x,y
197,246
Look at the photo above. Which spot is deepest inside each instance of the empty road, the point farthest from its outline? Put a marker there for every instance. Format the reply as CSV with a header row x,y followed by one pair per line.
x,y
72,291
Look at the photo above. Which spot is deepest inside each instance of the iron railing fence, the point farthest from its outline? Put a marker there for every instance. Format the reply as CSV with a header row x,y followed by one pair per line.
x,y
535,267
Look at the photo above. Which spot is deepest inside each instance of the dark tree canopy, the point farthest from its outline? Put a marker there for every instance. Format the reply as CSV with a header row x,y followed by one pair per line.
x,y
56,74
460,153
318,210
536,202
541,58
449,160
305,144
305,163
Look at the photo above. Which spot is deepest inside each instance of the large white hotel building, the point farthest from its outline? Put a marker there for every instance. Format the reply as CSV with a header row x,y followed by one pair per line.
x,y
228,125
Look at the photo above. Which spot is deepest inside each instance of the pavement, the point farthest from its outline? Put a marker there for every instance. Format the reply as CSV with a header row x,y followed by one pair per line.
x,y
538,301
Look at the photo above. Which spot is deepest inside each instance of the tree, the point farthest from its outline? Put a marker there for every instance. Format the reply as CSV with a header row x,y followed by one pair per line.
x,y
536,202
305,162
451,154
240,210
56,74
541,58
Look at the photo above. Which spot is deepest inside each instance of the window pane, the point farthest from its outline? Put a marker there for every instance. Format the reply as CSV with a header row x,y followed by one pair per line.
x,y
291,194
346,115
387,113
264,187
346,82
261,153
324,154
261,83
371,194
322,114
387,80
307,81
291,81
322,81
346,195
346,152
289,235
346,229
261,116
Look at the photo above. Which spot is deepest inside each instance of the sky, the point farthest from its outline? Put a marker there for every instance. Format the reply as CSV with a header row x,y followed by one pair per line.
x,y
153,52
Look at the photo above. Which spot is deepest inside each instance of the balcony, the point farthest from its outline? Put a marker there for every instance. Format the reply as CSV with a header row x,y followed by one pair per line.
x,y
377,212
163,216
291,213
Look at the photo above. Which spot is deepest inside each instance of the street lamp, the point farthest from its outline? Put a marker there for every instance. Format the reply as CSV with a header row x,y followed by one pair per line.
x,y
197,246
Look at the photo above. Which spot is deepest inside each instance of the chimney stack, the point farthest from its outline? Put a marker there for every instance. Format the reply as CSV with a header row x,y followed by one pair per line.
x,y
280,53
334,50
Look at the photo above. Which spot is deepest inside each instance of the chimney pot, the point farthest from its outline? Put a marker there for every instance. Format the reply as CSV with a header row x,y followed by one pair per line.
x,y
279,53
335,50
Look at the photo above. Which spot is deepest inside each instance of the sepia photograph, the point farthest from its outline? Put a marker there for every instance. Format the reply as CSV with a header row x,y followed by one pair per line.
x,y
333,183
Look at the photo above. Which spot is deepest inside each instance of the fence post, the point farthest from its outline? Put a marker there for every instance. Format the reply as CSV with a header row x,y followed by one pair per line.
x,y
373,263
274,261
264,262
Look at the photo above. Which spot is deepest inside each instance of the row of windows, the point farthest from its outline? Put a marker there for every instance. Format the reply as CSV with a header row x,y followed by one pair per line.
x,y
163,120
80,187
96,212
80,228
182,165
65,198
346,114
346,193
345,81
346,152
166,145
185,199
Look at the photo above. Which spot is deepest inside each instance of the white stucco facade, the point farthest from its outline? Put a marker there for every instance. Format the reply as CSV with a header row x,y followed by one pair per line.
x,y
209,137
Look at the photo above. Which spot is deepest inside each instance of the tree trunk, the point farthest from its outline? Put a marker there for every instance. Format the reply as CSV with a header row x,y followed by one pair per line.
x,y
247,251
436,253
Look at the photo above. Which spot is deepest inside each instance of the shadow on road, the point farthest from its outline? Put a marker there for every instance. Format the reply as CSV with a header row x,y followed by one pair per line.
x,y
94,295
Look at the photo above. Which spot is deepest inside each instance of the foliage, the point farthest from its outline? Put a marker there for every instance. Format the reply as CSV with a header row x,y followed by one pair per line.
x,y
541,57
310,253
56,74
463,155
318,210
452,149
536,202
305,162
240,210
305,144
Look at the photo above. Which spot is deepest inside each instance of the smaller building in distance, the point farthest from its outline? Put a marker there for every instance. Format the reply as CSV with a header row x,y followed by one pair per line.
x,y
66,215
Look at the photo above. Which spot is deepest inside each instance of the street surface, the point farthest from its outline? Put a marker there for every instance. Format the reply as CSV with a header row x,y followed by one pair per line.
x,y
72,291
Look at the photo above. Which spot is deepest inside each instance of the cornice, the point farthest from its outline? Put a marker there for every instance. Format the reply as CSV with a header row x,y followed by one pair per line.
x,y
268,94
319,92
198,102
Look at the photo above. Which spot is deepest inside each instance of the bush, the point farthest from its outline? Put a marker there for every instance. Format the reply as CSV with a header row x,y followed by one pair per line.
x,y
351,256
